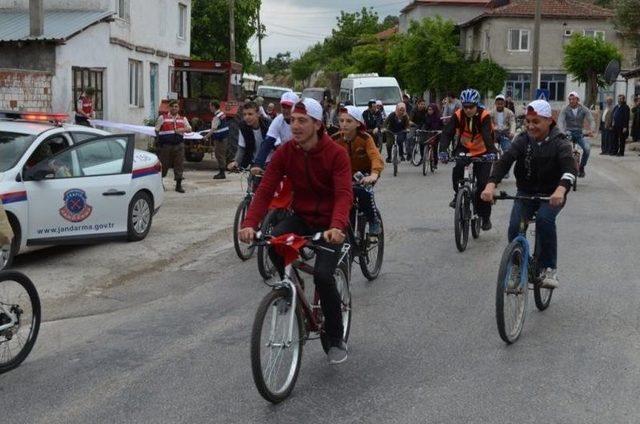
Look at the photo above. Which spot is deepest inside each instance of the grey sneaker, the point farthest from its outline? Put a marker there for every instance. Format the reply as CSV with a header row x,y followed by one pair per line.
x,y
337,353
374,228
549,278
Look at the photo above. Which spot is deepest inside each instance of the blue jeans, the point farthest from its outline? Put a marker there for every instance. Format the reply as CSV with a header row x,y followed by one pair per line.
x,y
584,144
545,228
504,142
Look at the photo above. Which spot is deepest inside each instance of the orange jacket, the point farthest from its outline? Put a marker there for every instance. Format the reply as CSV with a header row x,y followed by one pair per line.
x,y
365,156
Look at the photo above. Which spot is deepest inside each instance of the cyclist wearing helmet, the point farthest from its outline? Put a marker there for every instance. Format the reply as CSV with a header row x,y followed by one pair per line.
x,y
474,125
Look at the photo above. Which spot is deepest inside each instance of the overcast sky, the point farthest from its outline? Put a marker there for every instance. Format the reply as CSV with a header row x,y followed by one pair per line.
x,y
295,25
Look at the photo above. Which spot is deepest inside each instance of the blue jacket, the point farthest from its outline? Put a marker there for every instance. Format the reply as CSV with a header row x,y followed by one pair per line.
x,y
621,116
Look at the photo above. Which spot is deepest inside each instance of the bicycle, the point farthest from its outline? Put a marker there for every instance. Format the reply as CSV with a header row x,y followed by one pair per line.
x,y
286,319
367,248
244,252
577,157
20,317
519,273
466,214
431,144
395,159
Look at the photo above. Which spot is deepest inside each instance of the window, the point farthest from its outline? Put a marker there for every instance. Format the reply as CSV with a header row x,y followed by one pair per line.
x,y
182,23
122,9
555,83
518,40
135,83
594,34
387,95
519,87
89,77
102,157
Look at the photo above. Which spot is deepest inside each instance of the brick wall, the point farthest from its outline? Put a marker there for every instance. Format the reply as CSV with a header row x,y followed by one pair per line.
x,y
25,90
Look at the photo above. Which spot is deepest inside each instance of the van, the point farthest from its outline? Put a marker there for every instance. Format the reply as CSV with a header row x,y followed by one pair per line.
x,y
360,88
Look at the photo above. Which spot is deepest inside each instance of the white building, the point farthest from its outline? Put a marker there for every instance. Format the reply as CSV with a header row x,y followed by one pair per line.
x,y
122,48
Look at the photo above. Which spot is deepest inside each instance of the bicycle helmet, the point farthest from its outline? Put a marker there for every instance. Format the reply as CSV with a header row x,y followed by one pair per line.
x,y
470,96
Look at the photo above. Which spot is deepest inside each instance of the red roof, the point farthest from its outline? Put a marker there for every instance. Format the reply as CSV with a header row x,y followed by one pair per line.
x,y
550,9
416,3
387,33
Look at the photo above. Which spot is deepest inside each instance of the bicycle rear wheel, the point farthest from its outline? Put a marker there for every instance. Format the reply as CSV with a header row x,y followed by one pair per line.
x,y
244,251
19,318
416,159
266,268
511,293
462,218
372,252
394,159
433,160
275,360
342,284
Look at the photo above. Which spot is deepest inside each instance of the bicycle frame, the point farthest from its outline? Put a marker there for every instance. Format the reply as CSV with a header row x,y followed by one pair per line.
x,y
12,316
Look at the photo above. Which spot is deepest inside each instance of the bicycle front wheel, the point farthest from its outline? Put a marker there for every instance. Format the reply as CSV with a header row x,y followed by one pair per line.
x,y
276,357
19,318
244,251
462,218
511,293
372,252
416,159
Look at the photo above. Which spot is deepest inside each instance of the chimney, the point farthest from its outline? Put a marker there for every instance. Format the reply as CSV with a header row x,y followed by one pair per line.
x,y
36,18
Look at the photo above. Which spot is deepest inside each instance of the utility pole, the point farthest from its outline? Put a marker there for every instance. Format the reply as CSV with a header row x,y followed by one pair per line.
x,y
232,31
259,38
535,80
36,18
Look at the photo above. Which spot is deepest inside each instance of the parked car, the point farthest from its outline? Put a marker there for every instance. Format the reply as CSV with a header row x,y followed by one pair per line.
x,y
70,184
272,94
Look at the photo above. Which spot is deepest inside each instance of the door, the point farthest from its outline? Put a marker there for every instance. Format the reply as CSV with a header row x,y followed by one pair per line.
x,y
153,80
81,193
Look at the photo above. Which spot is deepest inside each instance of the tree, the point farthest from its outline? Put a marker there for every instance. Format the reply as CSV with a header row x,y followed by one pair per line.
x,y
628,19
210,29
587,58
390,21
280,64
487,76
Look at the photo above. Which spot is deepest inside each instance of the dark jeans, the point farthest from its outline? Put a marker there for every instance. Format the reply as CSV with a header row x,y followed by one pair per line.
x,y
481,172
366,202
323,273
545,228
618,141
402,136
81,120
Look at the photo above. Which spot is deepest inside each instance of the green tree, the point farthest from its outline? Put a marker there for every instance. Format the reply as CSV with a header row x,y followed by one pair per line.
x,y
587,58
280,64
210,29
487,76
390,21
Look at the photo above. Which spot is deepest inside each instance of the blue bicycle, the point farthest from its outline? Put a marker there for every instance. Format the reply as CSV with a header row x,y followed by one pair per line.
x,y
517,275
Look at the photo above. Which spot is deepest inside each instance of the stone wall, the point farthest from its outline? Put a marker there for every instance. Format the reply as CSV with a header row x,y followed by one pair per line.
x,y
25,90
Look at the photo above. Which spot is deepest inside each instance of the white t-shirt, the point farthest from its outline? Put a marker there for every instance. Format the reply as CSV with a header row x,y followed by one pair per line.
x,y
280,130
500,120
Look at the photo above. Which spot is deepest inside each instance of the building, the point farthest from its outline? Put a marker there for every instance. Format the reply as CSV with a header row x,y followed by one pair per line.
x,y
122,48
505,35
458,11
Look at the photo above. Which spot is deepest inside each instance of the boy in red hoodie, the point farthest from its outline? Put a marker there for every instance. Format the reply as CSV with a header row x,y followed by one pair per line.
x,y
320,173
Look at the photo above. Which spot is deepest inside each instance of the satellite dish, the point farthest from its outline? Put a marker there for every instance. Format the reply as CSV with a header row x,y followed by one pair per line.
x,y
612,71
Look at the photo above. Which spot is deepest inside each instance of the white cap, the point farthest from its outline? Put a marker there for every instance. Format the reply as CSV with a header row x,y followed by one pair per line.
x,y
354,112
500,97
289,98
310,107
574,94
379,102
539,108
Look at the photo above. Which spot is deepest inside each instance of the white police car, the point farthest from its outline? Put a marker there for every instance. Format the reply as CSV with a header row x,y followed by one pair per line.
x,y
70,184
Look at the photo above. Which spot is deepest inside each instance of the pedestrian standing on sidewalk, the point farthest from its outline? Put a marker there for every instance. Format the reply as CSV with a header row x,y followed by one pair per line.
x,y
635,120
170,130
571,122
621,118
605,126
219,133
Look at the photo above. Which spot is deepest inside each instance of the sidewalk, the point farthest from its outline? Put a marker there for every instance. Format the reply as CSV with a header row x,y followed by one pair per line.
x,y
201,217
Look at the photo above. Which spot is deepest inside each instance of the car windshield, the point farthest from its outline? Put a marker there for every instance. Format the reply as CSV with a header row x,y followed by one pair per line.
x,y
12,147
313,94
274,93
388,95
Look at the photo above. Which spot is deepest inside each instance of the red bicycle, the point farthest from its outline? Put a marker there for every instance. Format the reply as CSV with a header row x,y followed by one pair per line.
x,y
286,318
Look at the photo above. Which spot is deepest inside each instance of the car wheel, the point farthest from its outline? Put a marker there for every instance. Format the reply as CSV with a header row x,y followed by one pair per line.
x,y
140,216
9,251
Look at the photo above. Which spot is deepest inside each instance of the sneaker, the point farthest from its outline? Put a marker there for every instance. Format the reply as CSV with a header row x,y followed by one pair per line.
x,y
549,278
486,224
452,204
374,228
219,176
337,353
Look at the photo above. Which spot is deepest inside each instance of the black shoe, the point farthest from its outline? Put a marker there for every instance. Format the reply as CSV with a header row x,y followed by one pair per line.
x,y
452,204
581,173
219,176
388,160
179,188
486,224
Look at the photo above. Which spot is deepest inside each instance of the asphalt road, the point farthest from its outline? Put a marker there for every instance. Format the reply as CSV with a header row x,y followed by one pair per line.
x,y
173,344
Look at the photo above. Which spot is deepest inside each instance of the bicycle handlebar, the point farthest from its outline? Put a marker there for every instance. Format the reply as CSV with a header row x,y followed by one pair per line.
x,y
504,196
467,158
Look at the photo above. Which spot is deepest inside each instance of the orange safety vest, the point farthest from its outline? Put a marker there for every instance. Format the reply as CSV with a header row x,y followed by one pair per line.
x,y
86,104
167,133
471,138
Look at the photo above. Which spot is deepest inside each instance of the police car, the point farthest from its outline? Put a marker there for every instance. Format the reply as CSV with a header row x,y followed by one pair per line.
x,y
70,184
